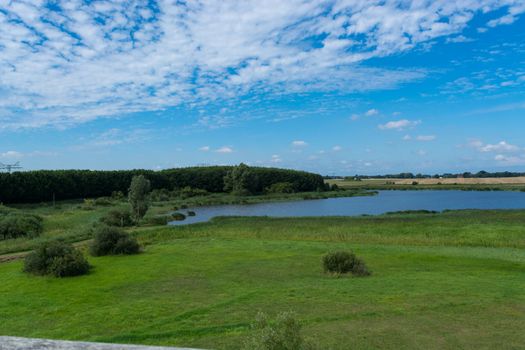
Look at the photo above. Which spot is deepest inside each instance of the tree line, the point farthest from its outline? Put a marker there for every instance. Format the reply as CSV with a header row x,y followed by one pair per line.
x,y
47,185
479,174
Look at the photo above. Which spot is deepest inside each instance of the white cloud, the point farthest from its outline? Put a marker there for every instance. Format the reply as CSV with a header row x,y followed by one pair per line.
x,y
502,146
114,137
337,148
459,39
426,138
372,112
224,149
204,148
276,159
11,154
139,59
407,138
299,143
399,124
510,160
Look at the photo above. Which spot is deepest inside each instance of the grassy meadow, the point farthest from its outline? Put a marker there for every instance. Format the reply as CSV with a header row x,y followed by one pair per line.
x,y
440,281
72,220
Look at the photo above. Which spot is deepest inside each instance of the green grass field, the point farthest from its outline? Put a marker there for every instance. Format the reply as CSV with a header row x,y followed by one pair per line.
x,y
445,281
71,220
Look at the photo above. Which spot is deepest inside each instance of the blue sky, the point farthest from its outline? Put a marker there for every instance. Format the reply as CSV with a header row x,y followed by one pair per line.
x,y
335,87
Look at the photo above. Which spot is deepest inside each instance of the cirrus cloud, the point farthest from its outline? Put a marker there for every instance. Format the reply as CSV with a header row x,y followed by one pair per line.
x,y
75,61
399,124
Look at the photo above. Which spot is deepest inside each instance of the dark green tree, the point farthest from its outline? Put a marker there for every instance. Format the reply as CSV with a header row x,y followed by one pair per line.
x,y
241,180
138,196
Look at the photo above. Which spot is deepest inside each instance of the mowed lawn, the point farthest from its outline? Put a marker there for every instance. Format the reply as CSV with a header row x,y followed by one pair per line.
x,y
447,281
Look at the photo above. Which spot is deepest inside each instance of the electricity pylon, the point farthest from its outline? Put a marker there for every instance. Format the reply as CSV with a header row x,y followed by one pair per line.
x,y
10,167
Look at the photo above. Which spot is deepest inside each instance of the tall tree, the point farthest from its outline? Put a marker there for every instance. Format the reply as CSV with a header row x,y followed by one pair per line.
x,y
241,180
138,196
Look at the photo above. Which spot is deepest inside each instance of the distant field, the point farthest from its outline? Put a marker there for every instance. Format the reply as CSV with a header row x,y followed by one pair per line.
x,y
507,183
471,181
440,281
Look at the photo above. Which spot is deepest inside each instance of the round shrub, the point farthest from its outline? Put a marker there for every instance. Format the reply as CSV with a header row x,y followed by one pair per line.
x,y
178,216
360,269
113,241
57,259
191,213
14,225
341,262
118,217
283,333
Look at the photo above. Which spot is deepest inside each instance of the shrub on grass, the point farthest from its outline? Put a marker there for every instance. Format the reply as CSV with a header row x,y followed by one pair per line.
x,y
284,333
338,262
15,225
178,216
334,187
113,241
188,192
157,220
360,269
118,217
159,195
342,262
57,259
103,201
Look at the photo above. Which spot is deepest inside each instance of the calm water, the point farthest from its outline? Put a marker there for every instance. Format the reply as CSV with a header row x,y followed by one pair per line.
x,y
384,202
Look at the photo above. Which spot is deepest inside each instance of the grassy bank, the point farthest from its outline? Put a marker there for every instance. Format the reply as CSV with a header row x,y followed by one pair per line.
x,y
72,220
440,281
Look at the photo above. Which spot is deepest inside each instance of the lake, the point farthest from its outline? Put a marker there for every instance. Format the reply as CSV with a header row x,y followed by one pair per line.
x,y
385,201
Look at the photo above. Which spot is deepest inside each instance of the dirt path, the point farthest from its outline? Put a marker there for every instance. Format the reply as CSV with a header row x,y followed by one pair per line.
x,y
4,258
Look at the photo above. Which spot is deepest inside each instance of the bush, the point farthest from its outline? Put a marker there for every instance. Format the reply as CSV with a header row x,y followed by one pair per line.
x,y
14,225
338,262
118,217
117,195
188,192
281,187
113,241
159,195
103,201
157,220
344,262
282,334
57,259
191,213
178,216
360,269
334,187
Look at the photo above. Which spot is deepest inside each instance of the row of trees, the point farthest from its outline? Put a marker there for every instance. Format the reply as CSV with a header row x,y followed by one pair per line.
x,y
46,185
479,174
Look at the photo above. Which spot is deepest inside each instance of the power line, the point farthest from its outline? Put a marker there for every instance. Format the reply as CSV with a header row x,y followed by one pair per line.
x,y
10,167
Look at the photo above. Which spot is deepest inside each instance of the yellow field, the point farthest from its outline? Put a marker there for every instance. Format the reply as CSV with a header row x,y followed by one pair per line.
x,y
505,183
461,181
